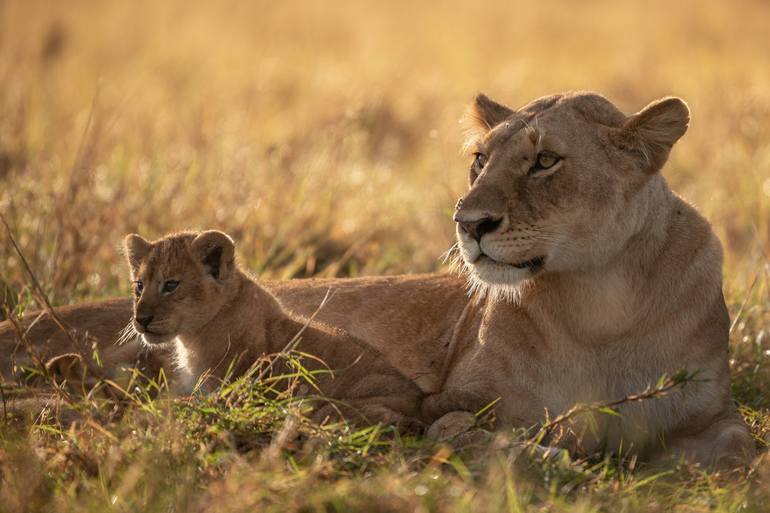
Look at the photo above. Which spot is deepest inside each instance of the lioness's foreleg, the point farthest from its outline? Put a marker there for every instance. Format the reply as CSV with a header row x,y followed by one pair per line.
x,y
725,444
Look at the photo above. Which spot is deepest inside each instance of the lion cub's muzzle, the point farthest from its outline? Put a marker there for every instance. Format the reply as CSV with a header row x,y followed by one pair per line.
x,y
150,329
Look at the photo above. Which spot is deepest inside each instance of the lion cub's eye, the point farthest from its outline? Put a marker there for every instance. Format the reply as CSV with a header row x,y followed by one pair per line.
x,y
480,160
545,160
170,286
138,288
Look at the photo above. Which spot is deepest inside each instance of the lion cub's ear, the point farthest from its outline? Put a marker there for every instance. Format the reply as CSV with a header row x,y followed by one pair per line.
x,y
650,134
136,249
216,251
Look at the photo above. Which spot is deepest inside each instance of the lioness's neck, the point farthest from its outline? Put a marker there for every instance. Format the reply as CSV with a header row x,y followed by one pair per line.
x,y
607,301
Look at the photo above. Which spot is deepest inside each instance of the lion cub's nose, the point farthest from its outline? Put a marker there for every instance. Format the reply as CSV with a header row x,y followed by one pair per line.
x,y
479,227
145,321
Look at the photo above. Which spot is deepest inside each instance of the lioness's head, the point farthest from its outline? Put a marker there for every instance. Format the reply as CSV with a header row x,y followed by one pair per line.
x,y
554,185
180,282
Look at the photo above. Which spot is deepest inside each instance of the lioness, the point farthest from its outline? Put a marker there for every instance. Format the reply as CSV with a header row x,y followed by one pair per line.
x,y
592,280
190,293
608,279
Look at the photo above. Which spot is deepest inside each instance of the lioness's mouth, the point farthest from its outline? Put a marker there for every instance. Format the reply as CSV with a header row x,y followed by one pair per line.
x,y
534,264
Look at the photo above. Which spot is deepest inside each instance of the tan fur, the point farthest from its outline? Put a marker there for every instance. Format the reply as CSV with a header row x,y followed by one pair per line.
x,y
628,286
95,345
219,319
629,289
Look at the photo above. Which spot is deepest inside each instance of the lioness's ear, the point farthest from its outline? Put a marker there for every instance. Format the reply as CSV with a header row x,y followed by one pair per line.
x,y
480,117
216,252
486,113
136,249
650,133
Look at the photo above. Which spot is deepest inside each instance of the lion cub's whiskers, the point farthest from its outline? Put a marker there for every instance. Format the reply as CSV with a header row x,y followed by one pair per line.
x,y
127,334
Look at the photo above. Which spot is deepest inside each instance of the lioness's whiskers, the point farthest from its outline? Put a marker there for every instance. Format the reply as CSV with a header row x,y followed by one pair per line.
x,y
450,253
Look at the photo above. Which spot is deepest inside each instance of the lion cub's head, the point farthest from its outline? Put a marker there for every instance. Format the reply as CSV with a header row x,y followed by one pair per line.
x,y
559,185
180,282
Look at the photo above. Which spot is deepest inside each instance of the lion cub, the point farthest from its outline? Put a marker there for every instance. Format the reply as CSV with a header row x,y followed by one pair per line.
x,y
190,294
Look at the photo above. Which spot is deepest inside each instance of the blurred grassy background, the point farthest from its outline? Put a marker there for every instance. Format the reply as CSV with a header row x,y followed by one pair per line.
x,y
324,135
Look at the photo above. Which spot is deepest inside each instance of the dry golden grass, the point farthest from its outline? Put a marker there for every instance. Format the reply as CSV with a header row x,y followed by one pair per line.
x,y
312,130
324,137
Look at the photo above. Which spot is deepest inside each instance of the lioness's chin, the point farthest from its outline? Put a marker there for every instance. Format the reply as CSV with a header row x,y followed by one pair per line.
x,y
493,272
497,280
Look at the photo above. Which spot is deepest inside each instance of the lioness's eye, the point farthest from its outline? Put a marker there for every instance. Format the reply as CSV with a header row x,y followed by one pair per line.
x,y
547,159
138,288
170,286
480,160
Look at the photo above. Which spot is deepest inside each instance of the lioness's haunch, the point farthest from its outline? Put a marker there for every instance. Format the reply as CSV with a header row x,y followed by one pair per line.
x,y
189,292
597,280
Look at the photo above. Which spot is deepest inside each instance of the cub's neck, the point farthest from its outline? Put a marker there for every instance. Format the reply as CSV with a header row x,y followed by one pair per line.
x,y
236,334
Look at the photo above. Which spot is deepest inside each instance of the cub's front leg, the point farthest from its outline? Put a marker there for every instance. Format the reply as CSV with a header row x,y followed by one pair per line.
x,y
371,410
384,396
453,399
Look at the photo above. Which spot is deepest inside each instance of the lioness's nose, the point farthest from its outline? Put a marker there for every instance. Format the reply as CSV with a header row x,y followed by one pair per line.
x,y
479,227
145,321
